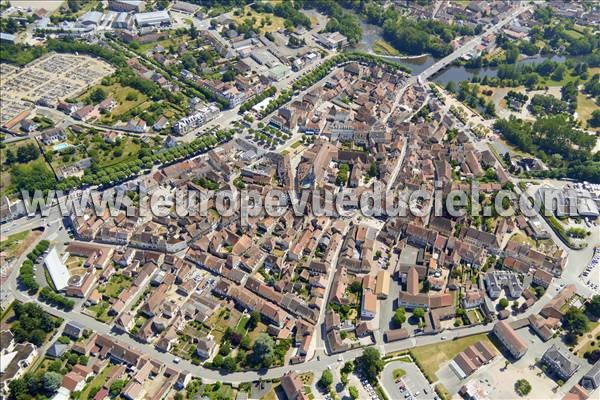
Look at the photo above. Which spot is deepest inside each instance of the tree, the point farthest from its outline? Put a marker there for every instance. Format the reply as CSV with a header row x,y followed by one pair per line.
x,y
426,286
348,367
594,120
98,95
522,387
575,321
10,157
246,343
370,363
225,349
254,320
419,313
228,75
263,353
353,392
117,387
400,316
326,379
73,5
503,303
229,364
189,62
512,54
51,381
593,307
27,153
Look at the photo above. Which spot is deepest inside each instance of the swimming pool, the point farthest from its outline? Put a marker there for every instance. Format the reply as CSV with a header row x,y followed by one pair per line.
x,y
61,146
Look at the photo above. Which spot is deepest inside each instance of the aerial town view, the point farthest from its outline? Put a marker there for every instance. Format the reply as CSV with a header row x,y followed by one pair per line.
x,y
299,199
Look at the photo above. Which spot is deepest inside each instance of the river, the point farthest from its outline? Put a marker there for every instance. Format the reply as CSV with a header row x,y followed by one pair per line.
x,y
372,33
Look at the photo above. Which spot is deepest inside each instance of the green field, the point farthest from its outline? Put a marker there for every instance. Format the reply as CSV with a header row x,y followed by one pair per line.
x,y
384,48
275,24
432,356
11,242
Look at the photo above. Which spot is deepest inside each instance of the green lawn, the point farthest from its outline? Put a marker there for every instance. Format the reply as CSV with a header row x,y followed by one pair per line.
x,y
100,311
116,285
241,326
98,381
384,48
399,373
10,243
5,175
432,356
585,107
275,24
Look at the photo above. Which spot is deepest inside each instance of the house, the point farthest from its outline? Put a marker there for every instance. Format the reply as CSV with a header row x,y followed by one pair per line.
x,y
382,288
368,307
396,334
332,40
473,357
183,379
28,125
293,386
160,124
560,362
53,135
554,308
56,350
73,381
591,380
473,298
206,347
74,330
542,278
509,338
15,359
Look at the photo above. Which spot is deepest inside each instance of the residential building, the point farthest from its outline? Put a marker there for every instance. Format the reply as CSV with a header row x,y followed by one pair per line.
x,y
509,338
591,380
560,362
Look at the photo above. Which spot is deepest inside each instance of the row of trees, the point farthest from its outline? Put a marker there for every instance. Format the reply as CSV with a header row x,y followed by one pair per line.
x,y
322,70
248,104
50,296
123,171
284,97
26,273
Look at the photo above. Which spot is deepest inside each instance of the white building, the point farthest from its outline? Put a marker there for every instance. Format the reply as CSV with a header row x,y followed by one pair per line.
x,y
154,18
57,270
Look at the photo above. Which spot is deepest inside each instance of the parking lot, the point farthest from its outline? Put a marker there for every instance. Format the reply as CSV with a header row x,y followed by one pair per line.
x,y
411,386
53,77
590,275
366,390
